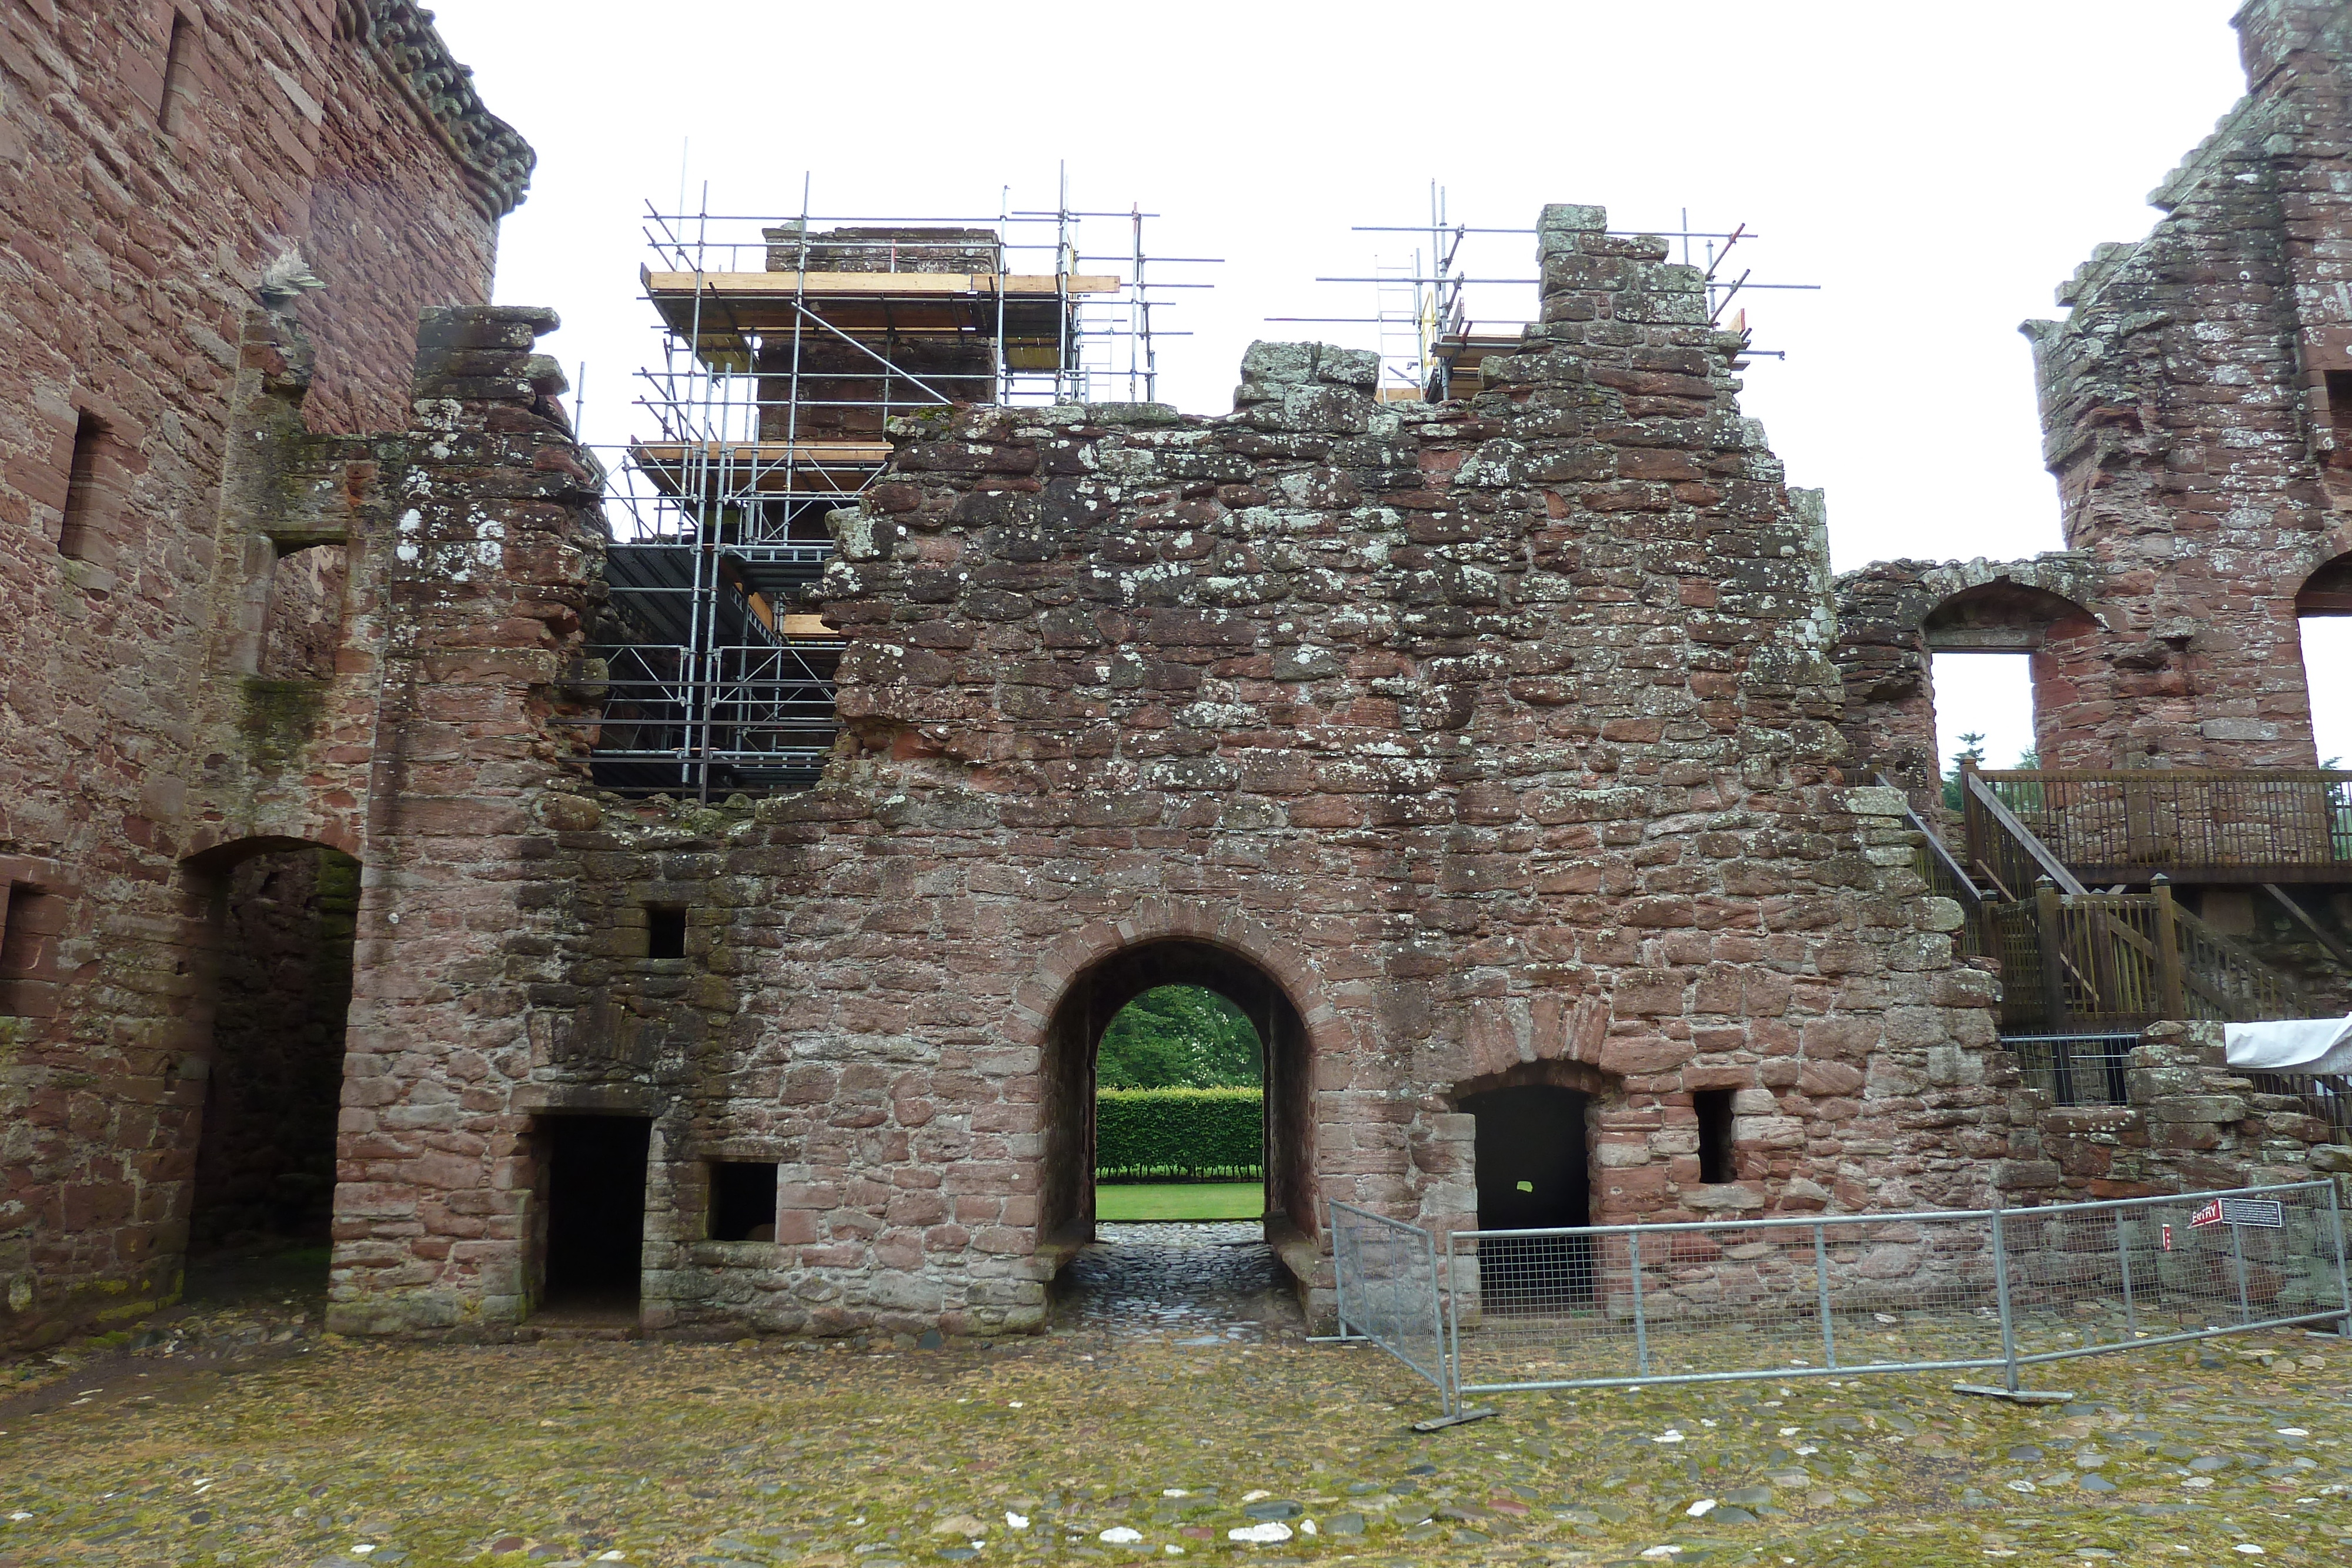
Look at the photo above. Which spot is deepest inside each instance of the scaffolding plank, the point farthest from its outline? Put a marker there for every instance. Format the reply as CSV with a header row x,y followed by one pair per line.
x,y
910,285
762,467
750,453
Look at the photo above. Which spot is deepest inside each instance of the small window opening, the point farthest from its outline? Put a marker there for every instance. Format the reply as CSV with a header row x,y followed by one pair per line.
x,y
2339,416
75,539
1714,1106
665,932
302,631
171,114
742,1201
29,925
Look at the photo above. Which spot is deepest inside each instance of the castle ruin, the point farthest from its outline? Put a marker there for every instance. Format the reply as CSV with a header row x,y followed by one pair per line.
x,y
1513,741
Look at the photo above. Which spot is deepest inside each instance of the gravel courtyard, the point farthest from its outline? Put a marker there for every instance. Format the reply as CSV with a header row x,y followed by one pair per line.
x,y
1145,1428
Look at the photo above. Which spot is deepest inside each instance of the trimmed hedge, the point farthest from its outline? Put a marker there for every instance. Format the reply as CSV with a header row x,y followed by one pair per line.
x,y
1151,1134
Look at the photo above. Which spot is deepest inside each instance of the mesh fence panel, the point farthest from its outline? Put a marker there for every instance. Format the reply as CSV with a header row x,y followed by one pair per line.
x,y
2087,1277
1753,1299
1386,1275
1850,1294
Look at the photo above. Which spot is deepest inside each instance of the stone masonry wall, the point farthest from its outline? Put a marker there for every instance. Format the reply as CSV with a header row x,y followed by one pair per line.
x,y
2203,469
1499,735
2188,421
141,230
2190,1125
1891,612
488,527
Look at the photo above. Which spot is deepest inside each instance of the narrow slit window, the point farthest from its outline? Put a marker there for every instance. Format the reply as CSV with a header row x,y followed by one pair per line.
x,y
171,114
1714,1106
81,526
665,932
742,1201
2339,414
30,922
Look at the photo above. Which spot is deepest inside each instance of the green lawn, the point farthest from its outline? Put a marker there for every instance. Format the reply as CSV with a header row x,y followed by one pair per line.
x,y
1180,1200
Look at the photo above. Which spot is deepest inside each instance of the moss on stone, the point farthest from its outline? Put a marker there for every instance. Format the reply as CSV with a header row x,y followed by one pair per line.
x,y
279,717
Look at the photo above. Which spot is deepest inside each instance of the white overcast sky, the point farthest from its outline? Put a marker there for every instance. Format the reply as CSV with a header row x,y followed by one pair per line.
x,y
1937,169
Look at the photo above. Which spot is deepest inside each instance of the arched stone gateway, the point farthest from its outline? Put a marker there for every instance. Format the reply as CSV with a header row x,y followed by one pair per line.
x,y
1895,616
1072,1037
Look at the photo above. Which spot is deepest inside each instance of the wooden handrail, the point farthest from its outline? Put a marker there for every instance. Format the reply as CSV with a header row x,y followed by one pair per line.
x,y
2088,945
2164,775
2051,866
2253,825
1936,845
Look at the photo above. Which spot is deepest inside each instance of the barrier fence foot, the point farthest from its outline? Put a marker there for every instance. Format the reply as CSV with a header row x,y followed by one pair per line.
x,y
1475,1413
2014,1395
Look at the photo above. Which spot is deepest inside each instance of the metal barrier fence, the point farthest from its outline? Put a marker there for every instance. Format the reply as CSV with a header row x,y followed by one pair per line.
x,y
2325,1097
2075,1068
1846,1295
1385,1276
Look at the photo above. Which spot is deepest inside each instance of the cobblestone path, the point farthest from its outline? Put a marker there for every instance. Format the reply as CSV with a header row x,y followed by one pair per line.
x,y
1203,1282
1123,1438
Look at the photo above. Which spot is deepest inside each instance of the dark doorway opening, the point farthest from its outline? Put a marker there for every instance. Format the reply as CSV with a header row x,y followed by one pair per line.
x,y
1533,1174
265,1166
595,1187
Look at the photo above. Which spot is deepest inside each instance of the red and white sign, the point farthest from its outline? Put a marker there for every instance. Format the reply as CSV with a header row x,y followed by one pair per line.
x,y
2168,1239
2209,1215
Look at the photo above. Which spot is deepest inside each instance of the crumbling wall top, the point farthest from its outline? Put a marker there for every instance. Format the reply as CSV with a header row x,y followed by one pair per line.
x,y
401,35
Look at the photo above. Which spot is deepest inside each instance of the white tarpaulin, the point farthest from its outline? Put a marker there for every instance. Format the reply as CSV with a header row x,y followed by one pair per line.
x,y
2305,1046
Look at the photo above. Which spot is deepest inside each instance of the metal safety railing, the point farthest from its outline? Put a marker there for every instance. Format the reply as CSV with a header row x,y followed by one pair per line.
x,y
1386,1282
1848,1294
2075,1068
2326,1098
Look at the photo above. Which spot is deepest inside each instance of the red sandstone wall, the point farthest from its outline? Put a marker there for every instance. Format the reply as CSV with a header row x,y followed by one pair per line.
x,y
130,240
393,235
2187,421
1499,735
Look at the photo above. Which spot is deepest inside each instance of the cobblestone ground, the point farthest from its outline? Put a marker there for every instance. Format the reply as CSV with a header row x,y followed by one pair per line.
x,y
1200,1281
237,1434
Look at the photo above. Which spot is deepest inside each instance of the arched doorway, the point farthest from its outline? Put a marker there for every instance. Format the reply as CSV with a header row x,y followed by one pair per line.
x,y
2322,610
261,1204
1534,1161
1992,650
1074,1037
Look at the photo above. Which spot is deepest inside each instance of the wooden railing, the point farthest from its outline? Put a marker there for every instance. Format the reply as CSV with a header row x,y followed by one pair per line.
x,y
1946,876
2248,825
2114,962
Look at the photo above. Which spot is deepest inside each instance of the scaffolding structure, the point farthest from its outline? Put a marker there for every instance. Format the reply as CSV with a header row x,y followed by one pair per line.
x,y
786,350
1432,343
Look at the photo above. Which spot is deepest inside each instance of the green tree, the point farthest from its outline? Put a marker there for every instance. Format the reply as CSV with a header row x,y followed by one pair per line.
x,y
1971,749
1178,1036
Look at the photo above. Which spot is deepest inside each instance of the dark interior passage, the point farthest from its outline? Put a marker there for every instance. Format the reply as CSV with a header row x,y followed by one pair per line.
x,y
264,1176
1534,1173
595,1184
